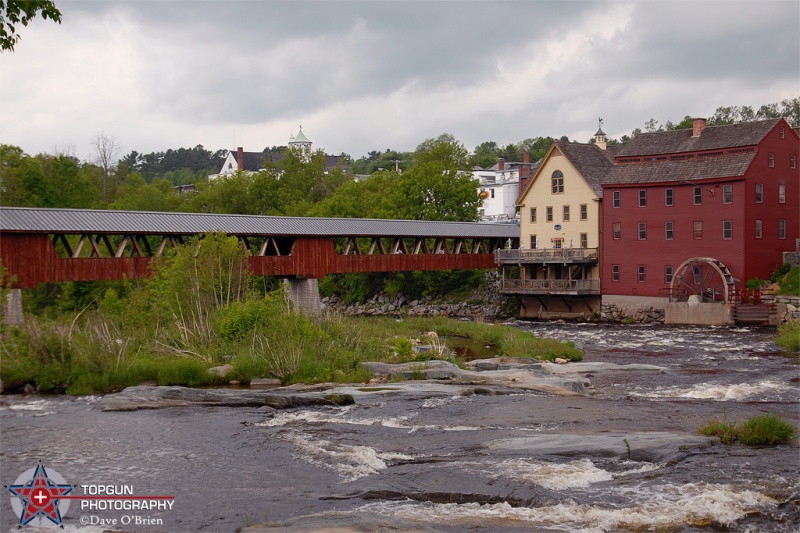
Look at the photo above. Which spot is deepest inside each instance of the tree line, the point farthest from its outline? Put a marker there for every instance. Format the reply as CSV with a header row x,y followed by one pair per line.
x,y
430,183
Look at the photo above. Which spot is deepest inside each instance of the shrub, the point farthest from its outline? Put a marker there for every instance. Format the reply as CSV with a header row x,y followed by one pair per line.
x,y
724,429
789,335
755,283
403,348
765,429
790,284
236,320
778,273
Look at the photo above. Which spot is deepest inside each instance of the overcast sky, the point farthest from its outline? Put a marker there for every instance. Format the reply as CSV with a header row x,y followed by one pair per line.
x,y
361,76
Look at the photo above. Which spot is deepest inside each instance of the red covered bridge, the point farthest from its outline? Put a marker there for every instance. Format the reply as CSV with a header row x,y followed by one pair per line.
x,y
40,245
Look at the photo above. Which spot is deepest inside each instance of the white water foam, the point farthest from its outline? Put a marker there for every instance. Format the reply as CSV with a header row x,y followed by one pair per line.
x,y
349,461
343,417
717,391
559,476
35,405
439,402
660,508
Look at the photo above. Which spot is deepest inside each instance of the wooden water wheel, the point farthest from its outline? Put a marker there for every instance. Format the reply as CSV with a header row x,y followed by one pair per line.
x,y
705,277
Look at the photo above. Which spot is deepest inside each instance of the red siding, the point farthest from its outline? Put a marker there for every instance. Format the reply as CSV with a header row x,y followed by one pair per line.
x,y
32,259
744,255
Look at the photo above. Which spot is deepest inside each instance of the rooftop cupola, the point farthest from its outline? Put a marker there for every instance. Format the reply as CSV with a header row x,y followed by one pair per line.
x,y
600,136
300,139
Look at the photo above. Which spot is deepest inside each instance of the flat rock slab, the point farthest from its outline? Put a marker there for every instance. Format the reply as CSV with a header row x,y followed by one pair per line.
x,y
583,368
134,398
342,522
559,379
656,446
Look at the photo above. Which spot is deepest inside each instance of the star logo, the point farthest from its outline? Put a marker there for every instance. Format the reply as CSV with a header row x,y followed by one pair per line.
x,y
38,496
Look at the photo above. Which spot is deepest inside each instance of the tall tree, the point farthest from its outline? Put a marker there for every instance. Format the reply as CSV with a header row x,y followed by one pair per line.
x,y
485,154
438,186
15,12
106,150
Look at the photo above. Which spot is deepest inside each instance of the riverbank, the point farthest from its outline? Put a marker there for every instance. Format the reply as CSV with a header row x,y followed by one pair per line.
x,y
421,455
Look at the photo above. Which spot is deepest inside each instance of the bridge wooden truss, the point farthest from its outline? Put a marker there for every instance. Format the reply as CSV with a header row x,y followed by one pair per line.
x,y
41,245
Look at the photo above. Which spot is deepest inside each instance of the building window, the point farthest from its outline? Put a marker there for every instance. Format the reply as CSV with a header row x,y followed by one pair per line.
x,y
759,228
698,229
616,202
534,242
584,240
642,197
783,132
759,193
698,195
584,212
558,243
727,194
793,161
668,231
698,274
533,215
617,230
641,273
566,213
727,229
667,196
614,272
781,193
492,192
549,213
782,229
771,160
642,231
558,182
668,274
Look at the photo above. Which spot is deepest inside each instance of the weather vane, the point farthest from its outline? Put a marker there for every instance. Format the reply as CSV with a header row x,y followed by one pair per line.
x,y
599,122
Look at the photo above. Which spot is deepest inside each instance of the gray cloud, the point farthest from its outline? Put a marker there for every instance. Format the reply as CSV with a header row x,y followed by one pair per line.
x,y
374,75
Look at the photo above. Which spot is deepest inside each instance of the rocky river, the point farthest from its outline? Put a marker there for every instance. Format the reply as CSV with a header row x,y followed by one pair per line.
x,y
606,445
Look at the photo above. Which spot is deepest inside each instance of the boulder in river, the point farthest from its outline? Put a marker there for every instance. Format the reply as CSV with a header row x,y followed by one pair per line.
x,y
134,398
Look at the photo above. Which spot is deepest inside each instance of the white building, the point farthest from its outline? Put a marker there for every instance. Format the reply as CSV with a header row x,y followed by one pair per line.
x,y
252,162
500,187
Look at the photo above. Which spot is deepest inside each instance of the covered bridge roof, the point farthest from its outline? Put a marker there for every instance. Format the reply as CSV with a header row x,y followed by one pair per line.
x,y
43,220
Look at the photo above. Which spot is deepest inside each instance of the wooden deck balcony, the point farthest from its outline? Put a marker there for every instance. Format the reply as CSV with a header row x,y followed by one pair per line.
x,y
561,287
518,256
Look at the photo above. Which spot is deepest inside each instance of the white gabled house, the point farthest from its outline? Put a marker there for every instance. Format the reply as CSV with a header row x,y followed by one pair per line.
x,y
500,186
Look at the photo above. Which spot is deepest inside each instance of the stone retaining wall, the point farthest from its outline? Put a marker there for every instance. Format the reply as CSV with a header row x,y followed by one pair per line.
x,y
645,315
788,308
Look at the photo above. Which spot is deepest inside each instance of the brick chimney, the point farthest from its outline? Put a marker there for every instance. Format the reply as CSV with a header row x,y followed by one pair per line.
x,y
240,158
501,163
698,125
525,171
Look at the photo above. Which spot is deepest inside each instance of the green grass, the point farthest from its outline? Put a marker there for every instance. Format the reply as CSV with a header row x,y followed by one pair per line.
x,y
100,351
766,429
724,429
789,335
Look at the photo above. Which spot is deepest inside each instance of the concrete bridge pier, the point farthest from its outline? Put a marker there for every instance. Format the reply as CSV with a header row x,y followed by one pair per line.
x,y
304,294
12,313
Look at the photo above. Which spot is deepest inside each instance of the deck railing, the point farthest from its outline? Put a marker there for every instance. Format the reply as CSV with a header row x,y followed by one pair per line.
x,y
550,286
544,255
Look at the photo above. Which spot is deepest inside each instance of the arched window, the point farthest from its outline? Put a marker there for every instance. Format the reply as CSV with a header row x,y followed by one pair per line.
x,y
558,182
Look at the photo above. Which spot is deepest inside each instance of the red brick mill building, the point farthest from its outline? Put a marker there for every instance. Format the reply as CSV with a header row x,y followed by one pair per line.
x,y
691,215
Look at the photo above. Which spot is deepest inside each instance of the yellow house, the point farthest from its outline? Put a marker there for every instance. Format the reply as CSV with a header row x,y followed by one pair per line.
x,y
556,270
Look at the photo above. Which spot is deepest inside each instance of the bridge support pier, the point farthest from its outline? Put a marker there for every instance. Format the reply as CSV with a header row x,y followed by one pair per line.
x,y
304,294
12,313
